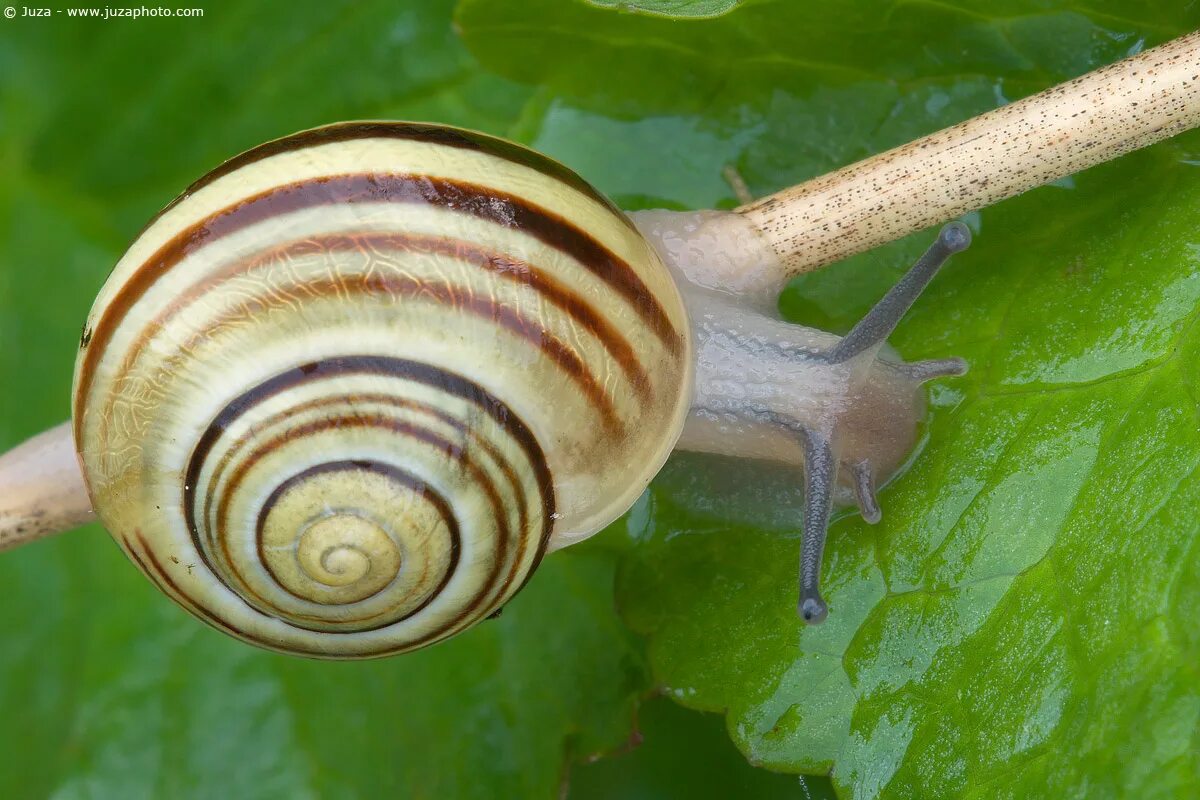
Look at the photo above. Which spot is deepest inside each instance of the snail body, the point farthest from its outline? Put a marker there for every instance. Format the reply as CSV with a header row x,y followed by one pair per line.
x,y
341,396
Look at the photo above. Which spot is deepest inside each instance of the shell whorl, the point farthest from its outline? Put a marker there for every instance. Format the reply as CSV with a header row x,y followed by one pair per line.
x,y
340,397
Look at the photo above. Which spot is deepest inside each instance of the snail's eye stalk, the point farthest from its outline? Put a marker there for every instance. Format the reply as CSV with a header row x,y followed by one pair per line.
x,y
819,475
874,329
820,464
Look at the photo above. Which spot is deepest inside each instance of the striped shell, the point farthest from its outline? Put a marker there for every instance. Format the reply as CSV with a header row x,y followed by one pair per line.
x,y
340,396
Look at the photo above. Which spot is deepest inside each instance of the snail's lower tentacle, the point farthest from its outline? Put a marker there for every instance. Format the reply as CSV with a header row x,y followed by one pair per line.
x,y
922,371
820,474
864,492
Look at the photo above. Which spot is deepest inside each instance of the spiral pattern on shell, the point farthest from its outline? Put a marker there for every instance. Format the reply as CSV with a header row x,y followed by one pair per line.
x,y
340,397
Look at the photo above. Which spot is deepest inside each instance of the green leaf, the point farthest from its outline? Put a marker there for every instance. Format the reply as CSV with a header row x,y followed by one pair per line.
x,y
1023,621
109,690
1021,624
682,753
672,8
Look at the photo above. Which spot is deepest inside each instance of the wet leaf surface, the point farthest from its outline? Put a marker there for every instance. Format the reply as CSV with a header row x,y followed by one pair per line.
x,y
1022,623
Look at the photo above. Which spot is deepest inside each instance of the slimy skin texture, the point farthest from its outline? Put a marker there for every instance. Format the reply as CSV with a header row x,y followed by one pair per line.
x,y
845,410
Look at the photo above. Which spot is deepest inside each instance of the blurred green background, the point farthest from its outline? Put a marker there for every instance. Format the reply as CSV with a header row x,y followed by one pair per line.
x,y
1021,624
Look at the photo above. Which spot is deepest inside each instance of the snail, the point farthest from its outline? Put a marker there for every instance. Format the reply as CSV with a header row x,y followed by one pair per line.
x,y
341,396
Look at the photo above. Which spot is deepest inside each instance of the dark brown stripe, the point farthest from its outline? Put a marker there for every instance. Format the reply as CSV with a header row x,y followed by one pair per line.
x,y
445,135
350,400
167,585
320,426
476,442
390,472
504,266
563,356
160,578
478,201
429,375
486,308
443,380
394,426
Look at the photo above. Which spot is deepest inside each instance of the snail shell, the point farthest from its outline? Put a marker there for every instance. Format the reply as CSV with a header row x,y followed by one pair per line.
x,y
340,396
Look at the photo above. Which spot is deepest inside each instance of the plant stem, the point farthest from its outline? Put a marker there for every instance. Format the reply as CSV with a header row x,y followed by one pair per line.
x,y
41,489
1092,119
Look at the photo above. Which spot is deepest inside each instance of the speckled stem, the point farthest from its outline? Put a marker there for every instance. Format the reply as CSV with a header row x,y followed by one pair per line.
x,y
41,489
1094,118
